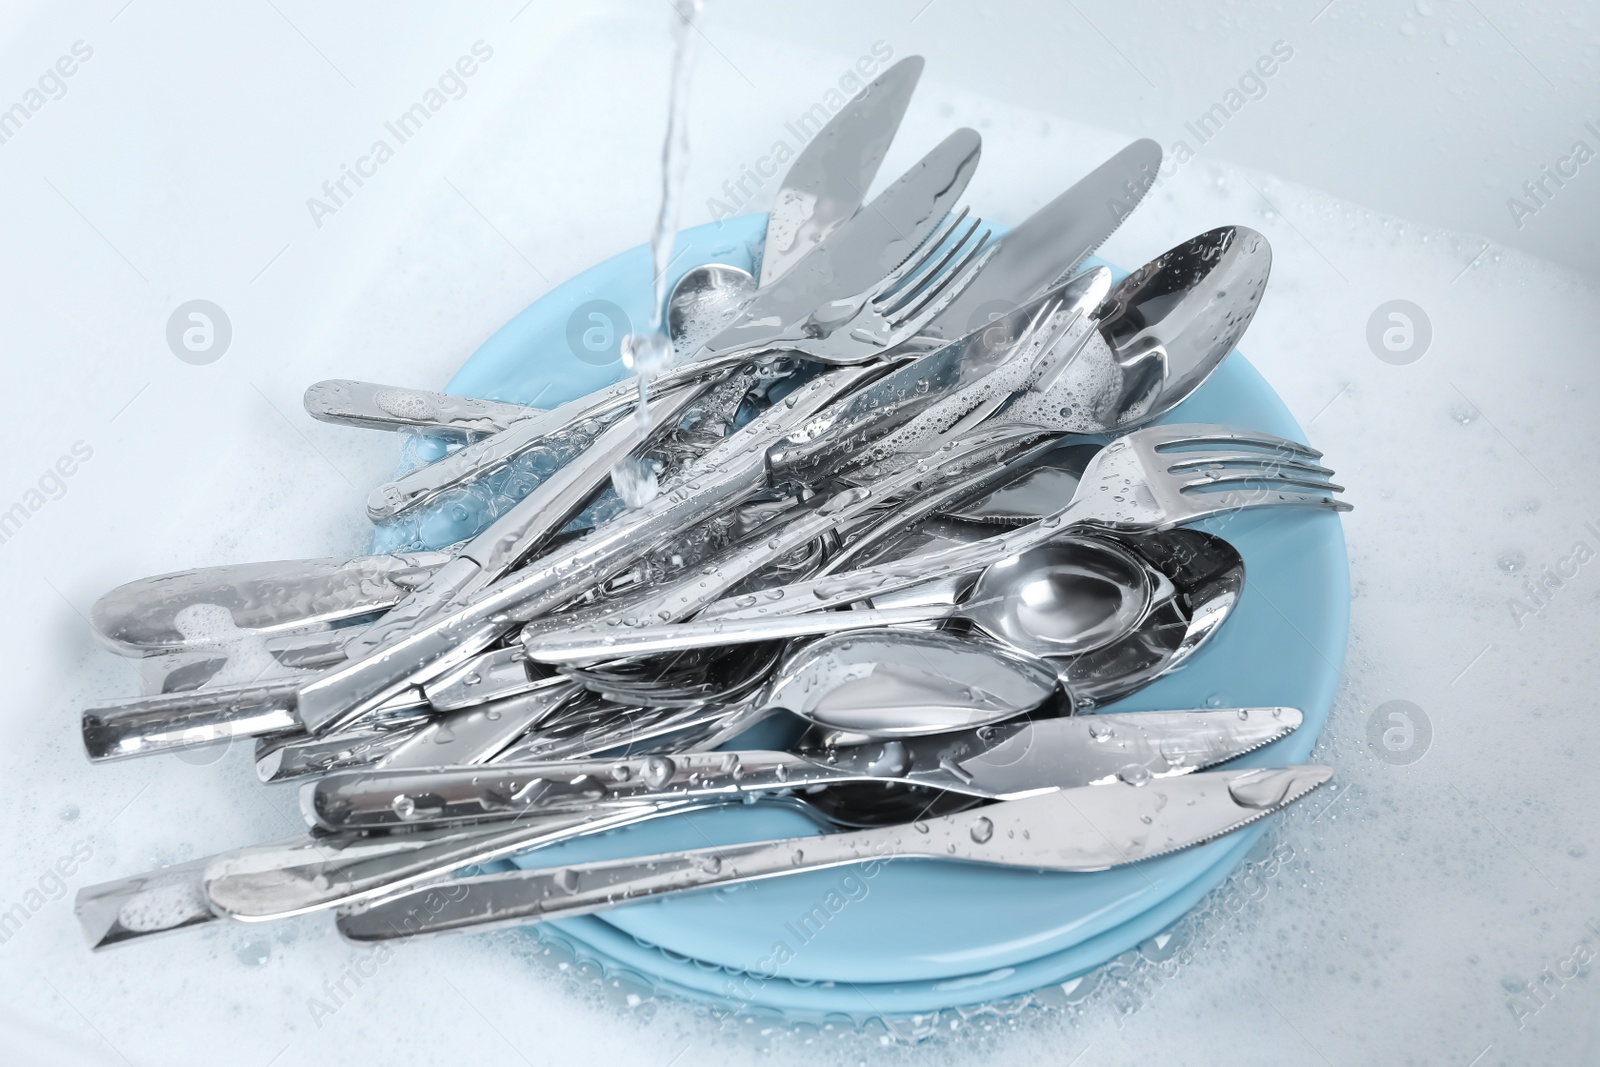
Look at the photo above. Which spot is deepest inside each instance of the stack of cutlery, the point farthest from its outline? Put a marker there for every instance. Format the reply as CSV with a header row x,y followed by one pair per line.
x,y
918,518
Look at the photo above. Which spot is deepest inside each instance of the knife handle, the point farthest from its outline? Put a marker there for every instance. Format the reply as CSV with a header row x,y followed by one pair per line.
x,y
386,799
347,402
172,721
518,897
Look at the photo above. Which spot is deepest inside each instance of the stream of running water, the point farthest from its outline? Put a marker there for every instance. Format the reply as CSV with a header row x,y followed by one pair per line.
x,y
648,352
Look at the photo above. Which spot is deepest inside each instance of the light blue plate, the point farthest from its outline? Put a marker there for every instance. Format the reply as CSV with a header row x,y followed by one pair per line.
x,y
919,935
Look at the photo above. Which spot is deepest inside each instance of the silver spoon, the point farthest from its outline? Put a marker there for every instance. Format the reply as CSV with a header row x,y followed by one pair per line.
x,y
1062,598
704,300
1196,577
883,684
889,684
1162,331
1204,576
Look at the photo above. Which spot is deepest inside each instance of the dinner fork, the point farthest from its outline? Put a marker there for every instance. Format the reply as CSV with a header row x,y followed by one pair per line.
x,y
845,332
1152,479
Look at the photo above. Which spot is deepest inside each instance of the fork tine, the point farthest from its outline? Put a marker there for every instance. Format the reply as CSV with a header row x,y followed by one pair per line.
x,y
1265,481
1243,460
898,279
1235,500
918,279
950,284
1180,438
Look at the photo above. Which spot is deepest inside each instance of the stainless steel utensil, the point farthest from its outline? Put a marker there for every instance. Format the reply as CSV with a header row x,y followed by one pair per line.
x,y
829,178
1062,598
347,402
1054,241
144,617
998,762
1088,829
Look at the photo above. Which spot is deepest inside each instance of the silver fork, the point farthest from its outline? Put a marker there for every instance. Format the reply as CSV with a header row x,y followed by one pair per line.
x,y
857,330
1152,479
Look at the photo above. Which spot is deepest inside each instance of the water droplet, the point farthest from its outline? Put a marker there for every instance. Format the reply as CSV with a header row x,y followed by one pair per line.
x,y
892,760
658,771
982,830
404,806
1135,774
254,953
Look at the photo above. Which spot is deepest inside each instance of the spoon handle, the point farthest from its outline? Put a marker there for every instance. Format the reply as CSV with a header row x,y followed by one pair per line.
x,y
679,637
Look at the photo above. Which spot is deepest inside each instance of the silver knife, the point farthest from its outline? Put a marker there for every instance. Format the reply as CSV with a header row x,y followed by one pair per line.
x,y
1030,259
1092,828
1054,241
845,265
998,762
292,877
829,178
283,879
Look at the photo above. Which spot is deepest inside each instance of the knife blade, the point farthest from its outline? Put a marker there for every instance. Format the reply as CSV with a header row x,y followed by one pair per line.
x,y
828,180
1099,749
1053,241
844,267
1088,829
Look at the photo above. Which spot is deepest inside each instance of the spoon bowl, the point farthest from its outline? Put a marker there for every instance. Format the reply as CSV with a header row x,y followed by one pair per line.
x,y
1062,598
1159,334
1200,577
704,300
905,683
